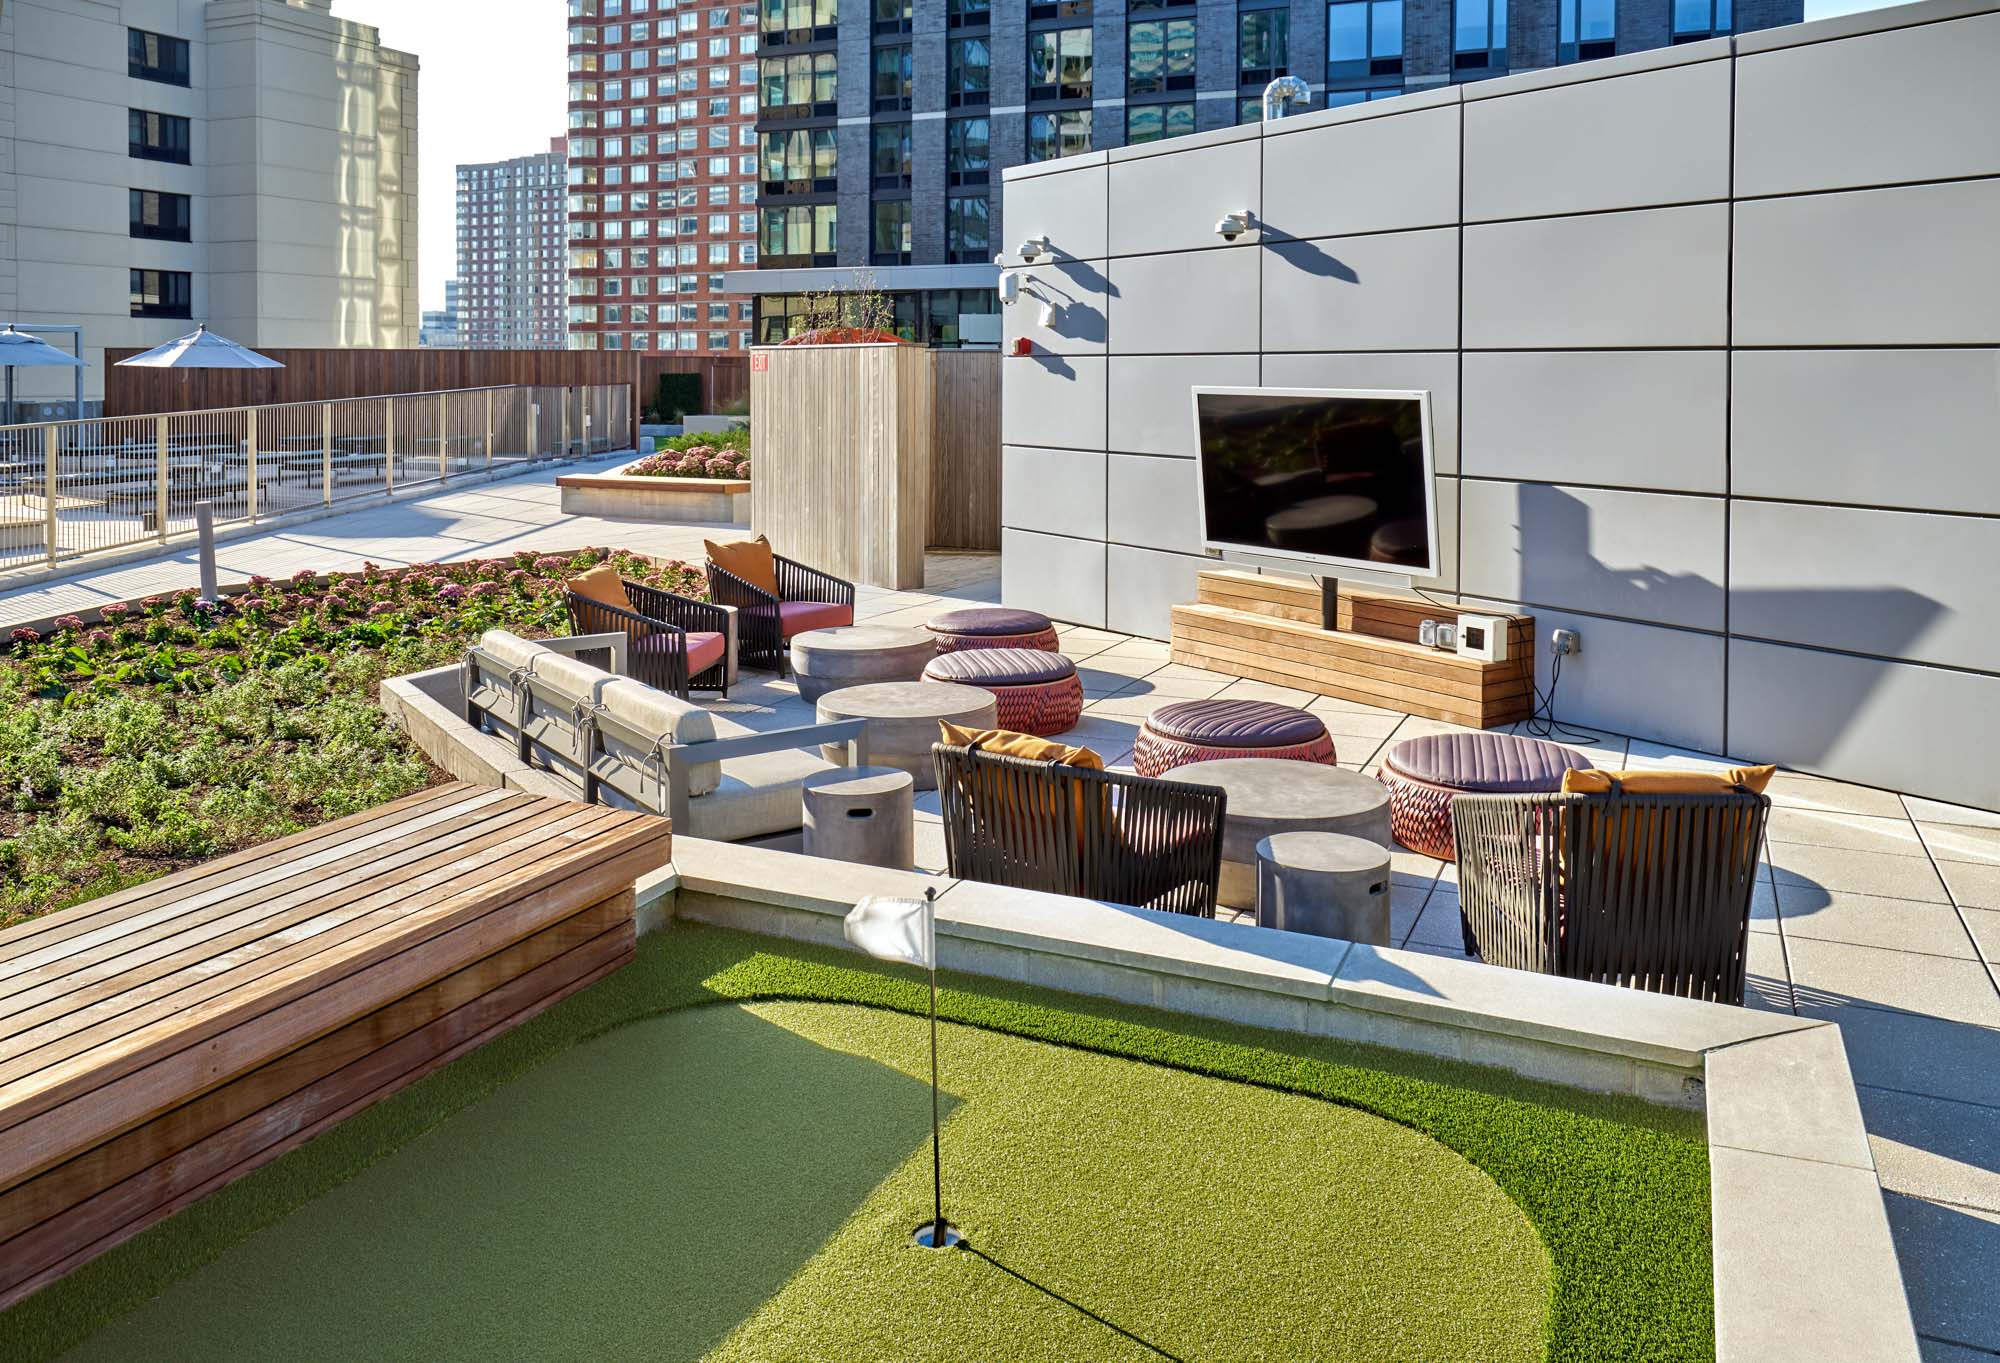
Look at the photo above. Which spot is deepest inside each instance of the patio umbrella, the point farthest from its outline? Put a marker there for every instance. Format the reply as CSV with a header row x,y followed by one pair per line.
x,y
19,350
201,349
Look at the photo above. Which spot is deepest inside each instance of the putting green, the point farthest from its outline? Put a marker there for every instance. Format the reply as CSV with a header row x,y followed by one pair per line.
x,y
738,1182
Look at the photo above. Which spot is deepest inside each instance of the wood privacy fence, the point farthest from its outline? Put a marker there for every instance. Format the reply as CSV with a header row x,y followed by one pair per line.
x,y
325,375
72,489
868,454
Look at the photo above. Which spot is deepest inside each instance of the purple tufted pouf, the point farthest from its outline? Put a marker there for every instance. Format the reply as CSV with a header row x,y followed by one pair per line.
x,y
1037,692
1425,774
992,627
1206,730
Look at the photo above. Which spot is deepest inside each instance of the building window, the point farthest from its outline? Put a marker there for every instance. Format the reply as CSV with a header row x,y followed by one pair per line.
x,y
889,242
965,229
1479,35
162,293
968,79
1364,40
804,85
1159,56
797,21
892,79
155,56
158,137
158,216
1695,20
892,16
1059,9
967,151
968,13
1260,45
1586,29
891,161
1151,122
1060,134
802,233
799,161
1059,64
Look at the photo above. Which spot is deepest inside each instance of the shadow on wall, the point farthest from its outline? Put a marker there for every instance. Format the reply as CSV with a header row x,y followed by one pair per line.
x,y
1561,568
1308,257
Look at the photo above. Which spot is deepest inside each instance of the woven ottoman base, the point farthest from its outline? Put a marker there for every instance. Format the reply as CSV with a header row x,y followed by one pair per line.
x,y
993,627
1038,692
1420,815
1156,756
1043,708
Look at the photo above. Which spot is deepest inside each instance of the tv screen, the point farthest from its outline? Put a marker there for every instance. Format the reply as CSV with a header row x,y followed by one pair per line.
x,y
1335,476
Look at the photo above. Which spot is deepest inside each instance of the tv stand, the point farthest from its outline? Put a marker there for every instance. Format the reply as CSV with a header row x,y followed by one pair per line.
x,y
1353,645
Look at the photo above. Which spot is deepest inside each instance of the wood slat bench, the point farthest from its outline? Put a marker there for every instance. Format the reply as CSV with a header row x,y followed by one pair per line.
x,y
161,1042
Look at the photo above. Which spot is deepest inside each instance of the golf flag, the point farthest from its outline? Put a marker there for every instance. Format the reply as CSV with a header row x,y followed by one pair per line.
x,y
893,930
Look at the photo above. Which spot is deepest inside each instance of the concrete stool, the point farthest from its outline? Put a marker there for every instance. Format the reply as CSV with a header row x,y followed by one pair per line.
x,y
1268,796
863,815
1326,884
825,660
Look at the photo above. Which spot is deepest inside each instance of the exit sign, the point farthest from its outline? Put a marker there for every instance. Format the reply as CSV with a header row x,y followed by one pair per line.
x,y
760,363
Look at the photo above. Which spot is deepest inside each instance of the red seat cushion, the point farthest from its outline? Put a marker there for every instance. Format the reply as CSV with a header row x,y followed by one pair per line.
x,y
704,650
796,617
1485,763
1235,723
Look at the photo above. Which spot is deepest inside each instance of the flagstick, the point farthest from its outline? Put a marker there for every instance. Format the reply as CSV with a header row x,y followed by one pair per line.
x,y
937,1155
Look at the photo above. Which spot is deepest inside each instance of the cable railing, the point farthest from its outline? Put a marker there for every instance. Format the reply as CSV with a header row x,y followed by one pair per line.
x,y
72,489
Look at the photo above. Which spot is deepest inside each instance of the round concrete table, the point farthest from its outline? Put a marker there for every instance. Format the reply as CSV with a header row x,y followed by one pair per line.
x,y
1268,795
1326,884
863,815
903,721
825,660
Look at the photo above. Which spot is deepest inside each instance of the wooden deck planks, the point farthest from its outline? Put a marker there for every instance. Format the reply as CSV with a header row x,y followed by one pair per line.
x,y
170,1038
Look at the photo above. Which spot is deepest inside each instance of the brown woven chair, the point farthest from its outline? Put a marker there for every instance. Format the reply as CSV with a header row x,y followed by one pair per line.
x,y
1648,891
671,640
807,599
1098,835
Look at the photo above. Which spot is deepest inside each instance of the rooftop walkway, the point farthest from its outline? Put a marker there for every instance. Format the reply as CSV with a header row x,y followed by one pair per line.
x,y
1879,911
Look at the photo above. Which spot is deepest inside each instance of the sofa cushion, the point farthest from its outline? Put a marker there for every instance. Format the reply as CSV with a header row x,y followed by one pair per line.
x,y
602,585
796,617
1658,782
660,715
1006,743
1485,763
1236,723
999,667
757,796
704,648
980,621
750,560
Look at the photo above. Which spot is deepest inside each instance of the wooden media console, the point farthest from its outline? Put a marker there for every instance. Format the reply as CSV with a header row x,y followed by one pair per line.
x,y
1267,628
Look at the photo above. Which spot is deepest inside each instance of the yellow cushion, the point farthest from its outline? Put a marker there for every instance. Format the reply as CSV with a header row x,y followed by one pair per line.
x,y
750,560
1654,782
602,585
1006,743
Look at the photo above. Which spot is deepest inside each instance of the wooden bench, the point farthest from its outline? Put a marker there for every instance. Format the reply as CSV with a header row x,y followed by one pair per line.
x,y
159,1043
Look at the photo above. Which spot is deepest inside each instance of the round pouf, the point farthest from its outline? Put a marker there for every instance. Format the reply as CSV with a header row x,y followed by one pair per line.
x,y
991,627
1204,730
1268,796
863,815
1326,884
1038,693
825,660
903,721
1424,775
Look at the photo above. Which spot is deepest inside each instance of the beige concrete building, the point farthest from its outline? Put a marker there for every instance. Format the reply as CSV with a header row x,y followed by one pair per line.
x,y
251,164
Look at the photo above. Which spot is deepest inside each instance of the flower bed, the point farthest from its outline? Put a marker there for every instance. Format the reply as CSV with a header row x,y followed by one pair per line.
x,y
722,454
176,729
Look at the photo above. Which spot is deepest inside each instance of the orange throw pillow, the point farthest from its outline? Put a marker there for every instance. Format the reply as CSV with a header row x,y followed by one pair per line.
x,y
750,560
1658,782
1007,743
602,585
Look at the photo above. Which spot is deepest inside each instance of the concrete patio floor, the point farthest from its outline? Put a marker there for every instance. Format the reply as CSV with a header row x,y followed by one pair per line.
x,y
1876,910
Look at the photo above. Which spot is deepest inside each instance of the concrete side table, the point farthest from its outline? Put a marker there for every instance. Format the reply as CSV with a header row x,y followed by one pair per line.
x,y
825,660
903,721
1269,795
862,814
1326,884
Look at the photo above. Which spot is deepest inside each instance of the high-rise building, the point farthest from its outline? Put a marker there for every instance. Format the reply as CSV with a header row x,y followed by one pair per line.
x,y
884,126
662,173
266,183
512,258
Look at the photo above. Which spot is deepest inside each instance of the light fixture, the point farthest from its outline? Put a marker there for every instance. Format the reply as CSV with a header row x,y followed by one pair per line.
x,y
1010,286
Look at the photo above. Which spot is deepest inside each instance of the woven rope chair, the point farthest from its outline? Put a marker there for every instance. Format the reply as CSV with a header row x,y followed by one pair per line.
x,y
1068,830
657,629
1648,891
760,631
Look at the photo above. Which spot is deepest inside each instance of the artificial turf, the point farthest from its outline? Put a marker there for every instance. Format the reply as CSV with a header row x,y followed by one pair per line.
x,y
756,1169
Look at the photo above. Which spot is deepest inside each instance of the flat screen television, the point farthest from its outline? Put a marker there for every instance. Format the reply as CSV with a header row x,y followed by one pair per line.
x,y
1336,477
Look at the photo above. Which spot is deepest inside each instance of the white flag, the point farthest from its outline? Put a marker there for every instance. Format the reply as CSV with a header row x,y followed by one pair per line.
x,y
893,930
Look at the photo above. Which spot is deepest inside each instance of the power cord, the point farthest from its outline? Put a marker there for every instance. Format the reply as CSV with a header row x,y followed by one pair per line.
x,y
1541,721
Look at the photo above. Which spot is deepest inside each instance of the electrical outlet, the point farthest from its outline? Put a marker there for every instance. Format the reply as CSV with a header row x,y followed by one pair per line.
x,y
1427,633
1447,636
1564,642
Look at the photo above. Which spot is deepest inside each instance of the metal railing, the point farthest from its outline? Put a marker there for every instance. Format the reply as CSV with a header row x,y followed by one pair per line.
x,y
71,489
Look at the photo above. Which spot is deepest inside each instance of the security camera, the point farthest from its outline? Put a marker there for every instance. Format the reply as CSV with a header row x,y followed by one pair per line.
x,y
1233,226
1034,247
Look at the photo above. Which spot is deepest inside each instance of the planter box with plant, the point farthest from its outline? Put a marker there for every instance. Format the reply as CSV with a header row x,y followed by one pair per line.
x,y
689,480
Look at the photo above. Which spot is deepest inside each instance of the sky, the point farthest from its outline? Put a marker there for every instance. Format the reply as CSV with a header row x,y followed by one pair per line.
x,y
494,84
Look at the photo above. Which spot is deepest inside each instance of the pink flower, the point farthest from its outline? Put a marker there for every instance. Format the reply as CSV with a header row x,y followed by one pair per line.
x,y
26,636
98,638
67,622
259,581
549,563
517,577
722,466
116,611
486,589
451,591
304,578
381,608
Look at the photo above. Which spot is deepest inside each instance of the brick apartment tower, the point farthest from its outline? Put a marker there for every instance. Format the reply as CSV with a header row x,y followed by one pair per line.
x,y
662,170
512,256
